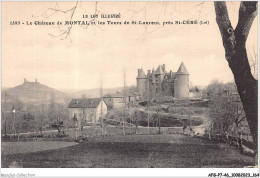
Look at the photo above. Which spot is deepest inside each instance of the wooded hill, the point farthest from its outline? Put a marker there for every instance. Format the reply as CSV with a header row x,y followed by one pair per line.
x,y
32,93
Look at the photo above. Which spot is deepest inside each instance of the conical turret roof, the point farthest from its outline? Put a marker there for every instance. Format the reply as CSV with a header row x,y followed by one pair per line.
x,y
141,74
159,70
182,70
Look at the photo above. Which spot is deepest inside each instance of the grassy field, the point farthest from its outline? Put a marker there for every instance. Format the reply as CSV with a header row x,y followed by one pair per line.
x,y
32,146
130,151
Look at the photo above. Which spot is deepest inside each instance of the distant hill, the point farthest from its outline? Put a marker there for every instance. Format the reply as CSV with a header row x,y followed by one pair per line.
x,y
94,93
33,93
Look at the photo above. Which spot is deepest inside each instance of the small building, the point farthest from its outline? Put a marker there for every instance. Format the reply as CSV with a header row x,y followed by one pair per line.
x,y
87,109
132,96
117,100
114,100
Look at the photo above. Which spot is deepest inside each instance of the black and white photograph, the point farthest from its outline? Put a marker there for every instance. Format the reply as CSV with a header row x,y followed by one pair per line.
x,y
129,84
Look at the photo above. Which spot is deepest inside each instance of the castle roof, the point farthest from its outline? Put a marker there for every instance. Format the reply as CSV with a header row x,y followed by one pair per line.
x,y
84,103
141,73
159,70
182,70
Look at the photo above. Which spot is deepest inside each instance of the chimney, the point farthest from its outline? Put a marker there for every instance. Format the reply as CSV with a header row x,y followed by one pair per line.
x,y
139,71
24,80
163,68
171,73
148,72
36,80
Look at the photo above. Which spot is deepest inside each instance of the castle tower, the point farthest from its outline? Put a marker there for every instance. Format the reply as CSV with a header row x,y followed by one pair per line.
x,y
159,76
181,84
160,73
153,76
140,82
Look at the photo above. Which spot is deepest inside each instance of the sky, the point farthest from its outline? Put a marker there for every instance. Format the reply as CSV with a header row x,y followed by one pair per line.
x,y
102,53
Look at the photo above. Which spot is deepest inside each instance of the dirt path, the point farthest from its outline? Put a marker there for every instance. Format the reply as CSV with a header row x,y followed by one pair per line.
x,y
200,130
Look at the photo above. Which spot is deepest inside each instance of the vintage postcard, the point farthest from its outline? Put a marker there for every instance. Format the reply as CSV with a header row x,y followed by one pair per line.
x,y
150,84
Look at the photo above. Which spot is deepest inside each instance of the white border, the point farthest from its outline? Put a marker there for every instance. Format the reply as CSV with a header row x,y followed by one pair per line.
x,y
123,172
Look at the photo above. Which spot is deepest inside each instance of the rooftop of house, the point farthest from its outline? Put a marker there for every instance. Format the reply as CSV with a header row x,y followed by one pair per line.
x,y
84,103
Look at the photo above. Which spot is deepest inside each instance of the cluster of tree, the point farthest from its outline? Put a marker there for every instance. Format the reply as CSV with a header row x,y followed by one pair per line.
x,y
217,88
20,117
194,89
134,118
226,111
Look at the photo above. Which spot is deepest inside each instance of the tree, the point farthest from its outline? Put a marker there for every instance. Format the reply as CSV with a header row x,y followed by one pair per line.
x,y
57,115
215,88
223,112
157,115
52,114
253,62
59,125
196,89
42,117
125,101
101,96
17,106
234,42
28,116
75,125
136,115
4,113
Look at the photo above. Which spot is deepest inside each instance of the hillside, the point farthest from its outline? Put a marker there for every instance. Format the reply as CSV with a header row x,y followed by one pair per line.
x,y
34,93
31,93
94,93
